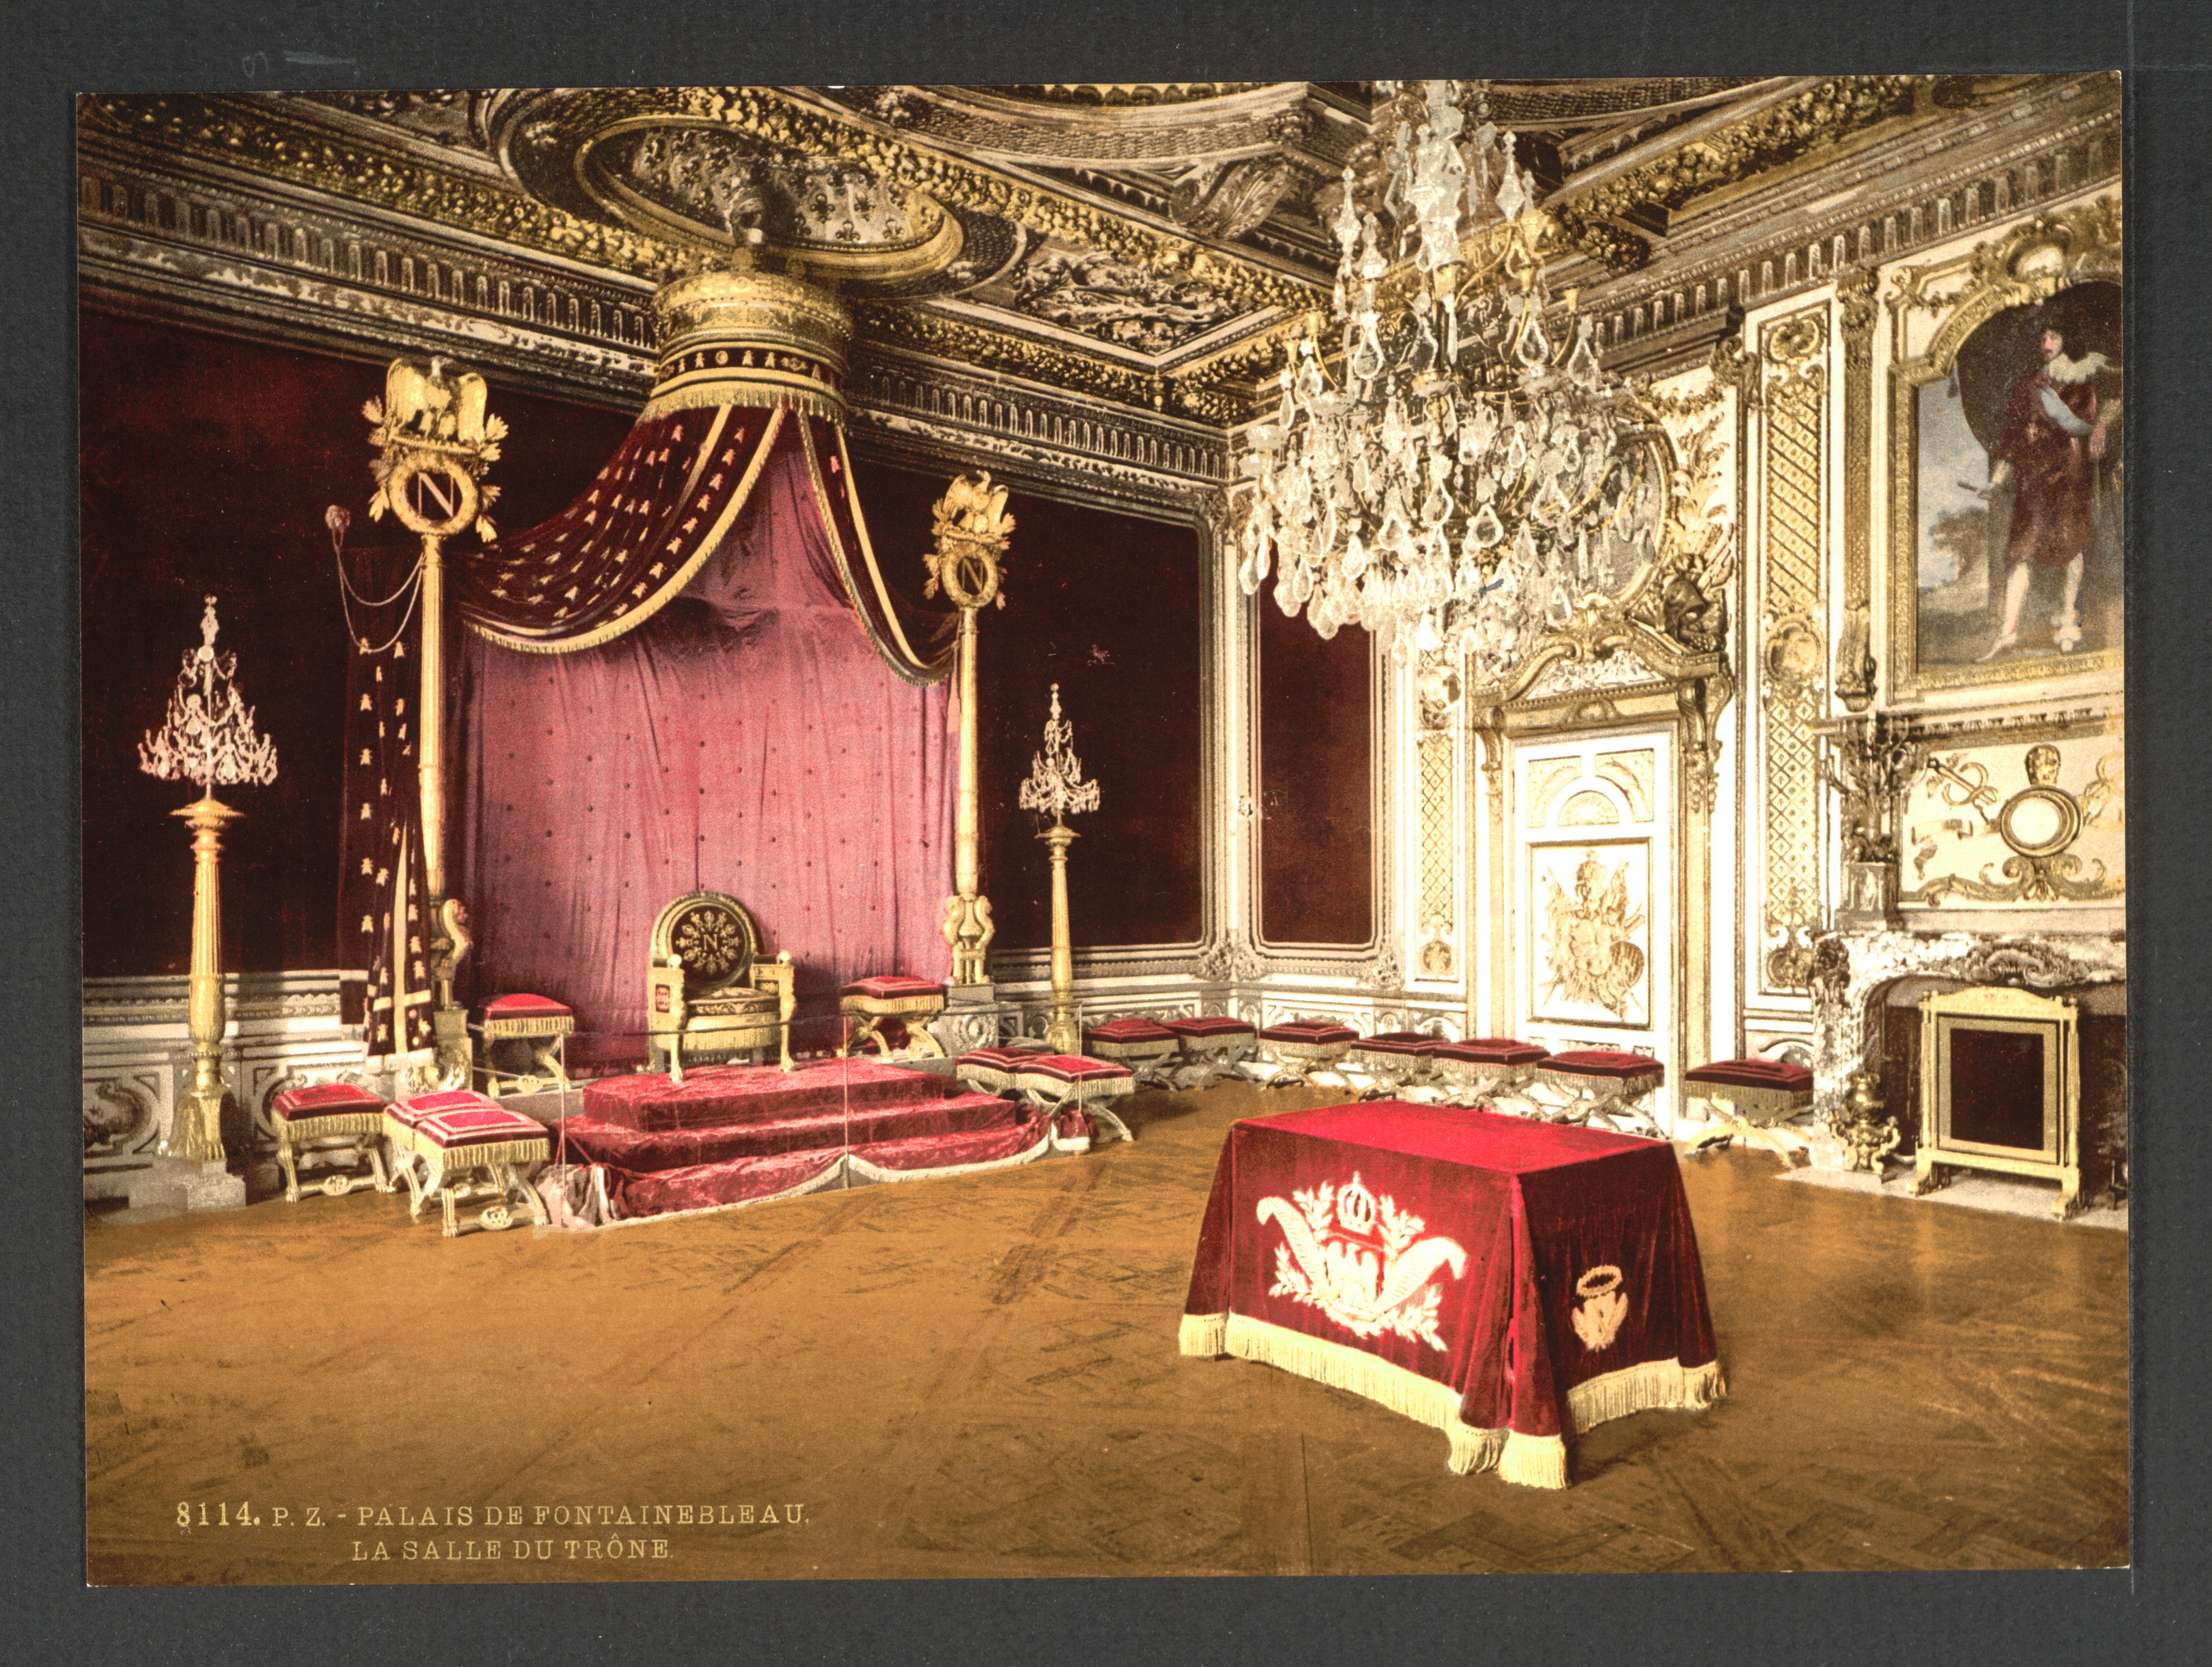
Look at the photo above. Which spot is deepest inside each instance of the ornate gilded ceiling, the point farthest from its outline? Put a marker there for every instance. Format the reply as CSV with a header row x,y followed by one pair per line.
x,y
1145,245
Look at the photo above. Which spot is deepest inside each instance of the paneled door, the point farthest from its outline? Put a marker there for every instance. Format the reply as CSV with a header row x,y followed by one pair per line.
x,y
1594,896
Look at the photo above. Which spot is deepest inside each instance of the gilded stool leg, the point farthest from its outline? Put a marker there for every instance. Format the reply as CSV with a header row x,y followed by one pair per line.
x,y
289,1160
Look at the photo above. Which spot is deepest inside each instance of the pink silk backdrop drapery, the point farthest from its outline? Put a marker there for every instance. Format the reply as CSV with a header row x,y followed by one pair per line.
x,y
748,739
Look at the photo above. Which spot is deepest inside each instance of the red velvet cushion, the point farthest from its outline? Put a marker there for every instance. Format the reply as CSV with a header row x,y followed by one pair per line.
x,y
527,1007
996,1059
477,1126
1605,1063
1491,1050
893,987
1313,1031
1779,1074
1071,1067
1212,1024
413,1111
1131,1030
328,1100
1408,1043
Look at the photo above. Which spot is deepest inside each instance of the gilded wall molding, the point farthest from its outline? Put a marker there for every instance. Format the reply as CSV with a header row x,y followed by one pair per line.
x,y
1793,640
1437,687
1856,314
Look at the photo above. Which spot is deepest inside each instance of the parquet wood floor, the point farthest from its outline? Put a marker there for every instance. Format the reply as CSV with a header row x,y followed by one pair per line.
x,y
979,1377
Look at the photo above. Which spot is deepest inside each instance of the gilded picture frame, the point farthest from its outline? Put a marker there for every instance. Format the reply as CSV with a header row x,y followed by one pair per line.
x,y
2058,270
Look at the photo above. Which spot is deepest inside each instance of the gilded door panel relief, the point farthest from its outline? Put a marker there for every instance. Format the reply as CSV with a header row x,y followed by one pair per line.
x,y
1595,936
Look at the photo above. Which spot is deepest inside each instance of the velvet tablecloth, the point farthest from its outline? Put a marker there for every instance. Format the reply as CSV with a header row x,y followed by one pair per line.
x,y
1507,1281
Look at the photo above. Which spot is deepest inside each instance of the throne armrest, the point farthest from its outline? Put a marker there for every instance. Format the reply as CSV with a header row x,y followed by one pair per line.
x,y
664,997
776,977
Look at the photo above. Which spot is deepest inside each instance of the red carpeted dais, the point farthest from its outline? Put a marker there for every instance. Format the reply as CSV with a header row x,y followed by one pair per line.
x,y
734,1134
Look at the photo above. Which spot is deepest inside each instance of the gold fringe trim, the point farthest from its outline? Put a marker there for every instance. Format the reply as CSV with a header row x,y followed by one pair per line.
x,y
1654,1386
898,653
1200,1334
500,1030
1531,1461
486,1153
773,389
704,549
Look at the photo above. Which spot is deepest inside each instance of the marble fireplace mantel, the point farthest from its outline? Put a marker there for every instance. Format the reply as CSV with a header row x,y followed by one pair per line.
x,y
1852,969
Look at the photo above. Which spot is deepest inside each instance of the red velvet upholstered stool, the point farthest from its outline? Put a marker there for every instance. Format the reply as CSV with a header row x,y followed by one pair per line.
x,y
1058,1083
1212,1045
330,1122
886,1010
1144,1045
992,1070
536,1025
1752,1099
460,1147
1603,1082
1490,1068
1304,1046
1395,1060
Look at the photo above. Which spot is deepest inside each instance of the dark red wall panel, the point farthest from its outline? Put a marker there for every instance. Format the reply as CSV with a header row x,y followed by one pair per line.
x,y
1109,608
207,464
1317,783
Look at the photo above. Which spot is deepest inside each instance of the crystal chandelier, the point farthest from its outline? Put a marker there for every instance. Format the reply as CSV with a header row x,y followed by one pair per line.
x,y
1442,470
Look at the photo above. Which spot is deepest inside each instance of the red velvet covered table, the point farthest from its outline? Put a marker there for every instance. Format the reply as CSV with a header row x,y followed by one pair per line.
x,y
1509,1282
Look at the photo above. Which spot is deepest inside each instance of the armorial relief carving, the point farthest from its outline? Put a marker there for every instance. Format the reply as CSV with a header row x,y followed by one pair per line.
x,y
1230,961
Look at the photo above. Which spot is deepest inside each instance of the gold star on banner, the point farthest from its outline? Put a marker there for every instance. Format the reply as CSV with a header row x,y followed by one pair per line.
x,y
366,866
367,924
365,758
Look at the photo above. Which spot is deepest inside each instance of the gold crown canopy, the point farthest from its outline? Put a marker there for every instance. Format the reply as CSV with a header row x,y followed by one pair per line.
x,y
746,337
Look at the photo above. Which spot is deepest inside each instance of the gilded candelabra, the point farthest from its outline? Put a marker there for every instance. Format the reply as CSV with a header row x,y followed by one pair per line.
x,y
972,527
209,737
435,441
1056,784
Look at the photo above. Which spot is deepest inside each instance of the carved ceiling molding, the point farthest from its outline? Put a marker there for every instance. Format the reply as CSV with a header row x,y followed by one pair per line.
x,y
264,138
965,343
1014,124
771,115
1890,206
1599,218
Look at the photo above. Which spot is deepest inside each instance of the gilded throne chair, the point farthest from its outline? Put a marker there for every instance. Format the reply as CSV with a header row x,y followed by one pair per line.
x,y
707,991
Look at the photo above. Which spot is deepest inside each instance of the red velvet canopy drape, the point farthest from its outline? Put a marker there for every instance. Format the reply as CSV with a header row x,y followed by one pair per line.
x,y
748,739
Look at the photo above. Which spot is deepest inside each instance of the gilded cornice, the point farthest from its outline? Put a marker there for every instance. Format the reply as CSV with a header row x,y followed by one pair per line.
x,y
1771,138
272,143
957,339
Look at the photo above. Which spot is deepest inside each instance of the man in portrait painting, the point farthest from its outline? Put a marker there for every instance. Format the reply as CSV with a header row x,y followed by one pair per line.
x,y
2054,438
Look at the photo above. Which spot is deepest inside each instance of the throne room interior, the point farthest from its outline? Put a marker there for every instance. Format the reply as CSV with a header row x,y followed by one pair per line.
x,y
1792,746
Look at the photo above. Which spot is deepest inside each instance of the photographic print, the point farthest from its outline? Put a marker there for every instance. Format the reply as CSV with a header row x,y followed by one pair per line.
x,y
1097,830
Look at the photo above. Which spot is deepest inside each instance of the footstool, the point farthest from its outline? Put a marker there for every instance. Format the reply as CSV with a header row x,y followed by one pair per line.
x,y
1395,1060
1490,1067
1059,1082
992,1070
886,1009
458,1147
330,1122
1603,1082
1752,1098
1212,1045
538,1021
1145,1045
1304,1046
